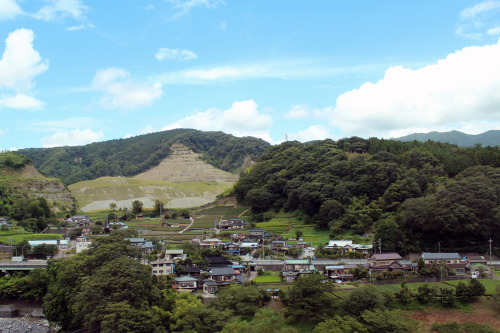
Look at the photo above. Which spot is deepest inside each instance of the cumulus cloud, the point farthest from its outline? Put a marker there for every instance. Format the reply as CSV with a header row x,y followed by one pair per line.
x,y
174,54
59,9
19,65
74,137
122,92
20,62
314,132
9,9
242,119
462,90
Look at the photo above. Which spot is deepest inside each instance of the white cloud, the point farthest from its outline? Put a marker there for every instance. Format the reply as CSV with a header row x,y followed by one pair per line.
x,y
174,54
314,132
462,90
9,9
122,92
19,65
75,137
480,8
20,62
183,7
20,101
149,7
76,27
494,31
298,111
242,119
60,9
278,69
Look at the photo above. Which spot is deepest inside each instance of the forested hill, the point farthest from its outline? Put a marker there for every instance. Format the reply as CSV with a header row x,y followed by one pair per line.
x,y
129,157
489,138
411,195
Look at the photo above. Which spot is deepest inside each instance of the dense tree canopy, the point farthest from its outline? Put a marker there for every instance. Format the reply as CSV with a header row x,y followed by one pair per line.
x,y
410,194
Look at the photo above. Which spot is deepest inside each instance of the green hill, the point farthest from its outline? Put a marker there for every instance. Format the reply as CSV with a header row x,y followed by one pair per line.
x,y
20,180
132,156
489,138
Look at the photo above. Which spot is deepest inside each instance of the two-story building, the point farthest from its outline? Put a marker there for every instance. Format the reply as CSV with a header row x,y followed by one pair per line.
x,y
221,276
452,260
82,243
296,267
162,267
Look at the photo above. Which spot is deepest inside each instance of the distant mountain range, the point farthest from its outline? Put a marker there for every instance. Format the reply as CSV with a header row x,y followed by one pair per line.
x,y
489,138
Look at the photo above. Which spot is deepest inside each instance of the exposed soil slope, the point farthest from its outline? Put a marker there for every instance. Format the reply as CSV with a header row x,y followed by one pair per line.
x,y
183,165
28,180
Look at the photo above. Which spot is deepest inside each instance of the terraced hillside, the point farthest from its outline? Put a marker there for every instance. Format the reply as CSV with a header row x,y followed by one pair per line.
x,y
183,165
180,180
27,180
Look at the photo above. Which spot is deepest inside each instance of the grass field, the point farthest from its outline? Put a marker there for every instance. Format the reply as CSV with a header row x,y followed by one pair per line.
x,y
16,235
490,285
107,189
267,279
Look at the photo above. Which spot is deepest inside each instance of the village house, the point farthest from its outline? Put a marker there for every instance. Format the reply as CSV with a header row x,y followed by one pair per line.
x,y
211,243
82,243
232,248
347,246
221,276
296,267
233,223
452,260
186,283
175,255
162,267
379,262
256,234
80,220
338,273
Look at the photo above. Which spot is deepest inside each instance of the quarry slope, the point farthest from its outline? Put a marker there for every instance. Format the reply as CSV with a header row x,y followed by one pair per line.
x,y
184,165
180,180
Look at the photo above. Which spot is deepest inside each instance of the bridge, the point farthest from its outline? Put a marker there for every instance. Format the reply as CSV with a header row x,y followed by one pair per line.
x,y
7,266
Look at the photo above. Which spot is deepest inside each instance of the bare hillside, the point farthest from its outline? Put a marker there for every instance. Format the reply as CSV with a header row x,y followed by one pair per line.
x,y
183,165
28,180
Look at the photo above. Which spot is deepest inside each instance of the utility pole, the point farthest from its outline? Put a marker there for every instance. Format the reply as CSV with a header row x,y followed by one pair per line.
x,y
490,249
380,245
439,244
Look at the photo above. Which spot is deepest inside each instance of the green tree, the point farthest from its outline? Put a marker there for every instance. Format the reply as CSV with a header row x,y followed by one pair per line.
x,y
264,321
243,300
337,324
366,297
309,298
137,207
382,321
103,296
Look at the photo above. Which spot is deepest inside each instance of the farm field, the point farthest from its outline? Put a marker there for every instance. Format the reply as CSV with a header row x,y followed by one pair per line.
x,y
16,235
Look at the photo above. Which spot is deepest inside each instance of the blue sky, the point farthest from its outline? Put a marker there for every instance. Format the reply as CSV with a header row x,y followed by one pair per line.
x,y
74,72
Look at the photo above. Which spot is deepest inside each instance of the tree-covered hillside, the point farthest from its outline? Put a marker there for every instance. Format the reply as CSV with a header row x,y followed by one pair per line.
x,y
128,157
411,195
